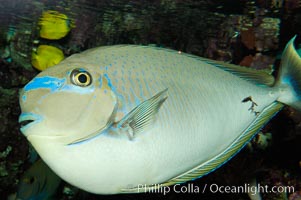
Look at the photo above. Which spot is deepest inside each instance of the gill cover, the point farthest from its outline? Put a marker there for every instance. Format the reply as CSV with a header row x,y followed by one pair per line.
x,y
72,106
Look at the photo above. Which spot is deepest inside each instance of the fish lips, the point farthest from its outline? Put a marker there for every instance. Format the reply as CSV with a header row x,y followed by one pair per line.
x,y
27,120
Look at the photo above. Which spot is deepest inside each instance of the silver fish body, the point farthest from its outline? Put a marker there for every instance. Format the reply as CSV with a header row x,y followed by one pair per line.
x,y
141,116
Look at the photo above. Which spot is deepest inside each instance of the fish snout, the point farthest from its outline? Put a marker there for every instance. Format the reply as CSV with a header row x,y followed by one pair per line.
x,y
28,119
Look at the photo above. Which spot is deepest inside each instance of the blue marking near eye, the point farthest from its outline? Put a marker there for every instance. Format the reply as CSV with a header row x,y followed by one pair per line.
x,y
55,84
24,97
45,82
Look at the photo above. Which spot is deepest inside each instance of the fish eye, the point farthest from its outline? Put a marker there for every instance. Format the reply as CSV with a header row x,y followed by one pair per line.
x,y
81,78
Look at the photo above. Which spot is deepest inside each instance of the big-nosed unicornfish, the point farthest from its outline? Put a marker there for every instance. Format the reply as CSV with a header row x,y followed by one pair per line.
x,y
111,119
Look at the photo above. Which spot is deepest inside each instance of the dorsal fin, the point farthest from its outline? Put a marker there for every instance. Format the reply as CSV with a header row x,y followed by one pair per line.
x,y
260,77
253,75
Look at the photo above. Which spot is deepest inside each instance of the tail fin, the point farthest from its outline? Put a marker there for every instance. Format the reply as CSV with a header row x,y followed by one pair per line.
x,y
289,78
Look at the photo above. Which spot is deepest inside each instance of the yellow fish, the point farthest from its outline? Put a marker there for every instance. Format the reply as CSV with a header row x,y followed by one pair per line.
x,y
54,25
122,119
46,56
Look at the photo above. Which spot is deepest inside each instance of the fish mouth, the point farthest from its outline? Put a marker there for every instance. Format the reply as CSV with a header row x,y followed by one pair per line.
x,y
25,122
28,119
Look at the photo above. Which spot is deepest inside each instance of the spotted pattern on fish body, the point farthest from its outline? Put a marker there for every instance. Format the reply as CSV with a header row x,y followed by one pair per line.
x,y
154,116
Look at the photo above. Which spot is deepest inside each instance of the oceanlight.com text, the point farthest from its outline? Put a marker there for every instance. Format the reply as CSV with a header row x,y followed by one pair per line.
x,y
215,188
250,189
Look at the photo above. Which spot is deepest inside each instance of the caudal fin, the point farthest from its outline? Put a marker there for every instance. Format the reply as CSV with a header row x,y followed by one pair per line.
x,y
289,78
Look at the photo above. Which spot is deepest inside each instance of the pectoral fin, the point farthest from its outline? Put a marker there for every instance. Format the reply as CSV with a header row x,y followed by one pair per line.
x,y
143,115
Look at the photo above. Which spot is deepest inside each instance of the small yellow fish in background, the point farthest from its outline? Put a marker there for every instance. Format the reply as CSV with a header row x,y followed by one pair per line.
x,y
38,182
54,25
46,56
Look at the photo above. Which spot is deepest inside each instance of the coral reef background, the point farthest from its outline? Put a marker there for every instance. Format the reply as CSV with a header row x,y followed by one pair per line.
x,y
249,33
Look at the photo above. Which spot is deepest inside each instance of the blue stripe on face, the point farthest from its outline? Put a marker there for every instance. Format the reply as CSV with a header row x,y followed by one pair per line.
x,y
54,85
45,82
